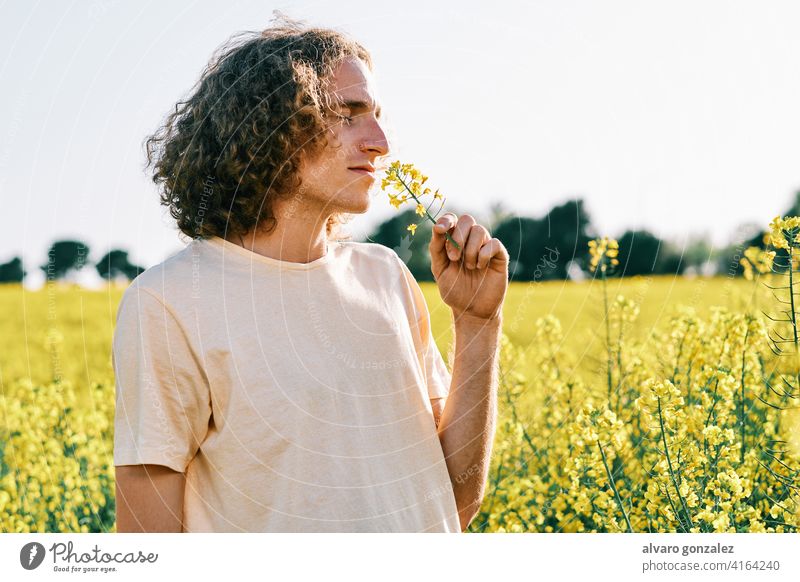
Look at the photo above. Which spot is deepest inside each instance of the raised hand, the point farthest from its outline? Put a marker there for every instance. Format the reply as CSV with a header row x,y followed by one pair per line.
x,y
473,280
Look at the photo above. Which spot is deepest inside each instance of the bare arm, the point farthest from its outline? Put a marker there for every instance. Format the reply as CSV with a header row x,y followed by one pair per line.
x,y
467,425
472,276
149,499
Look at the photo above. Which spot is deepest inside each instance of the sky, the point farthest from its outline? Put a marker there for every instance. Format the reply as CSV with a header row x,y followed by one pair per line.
x,y
679,117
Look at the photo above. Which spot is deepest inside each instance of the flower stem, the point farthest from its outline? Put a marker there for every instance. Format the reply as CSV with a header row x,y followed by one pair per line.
x,y
669,464
608,336
742,413
614,488
791,298
428,214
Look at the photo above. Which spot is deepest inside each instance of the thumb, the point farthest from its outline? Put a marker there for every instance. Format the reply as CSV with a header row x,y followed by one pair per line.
x,y
439,258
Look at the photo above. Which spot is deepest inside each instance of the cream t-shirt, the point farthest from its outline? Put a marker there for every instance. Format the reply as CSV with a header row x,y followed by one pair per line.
x,y
294,396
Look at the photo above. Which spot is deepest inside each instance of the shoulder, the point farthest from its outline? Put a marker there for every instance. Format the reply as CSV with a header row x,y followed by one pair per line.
x,y
383,267
371,254
171,278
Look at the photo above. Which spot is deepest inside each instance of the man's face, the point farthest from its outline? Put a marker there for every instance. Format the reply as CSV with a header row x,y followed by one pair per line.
x,y
330,180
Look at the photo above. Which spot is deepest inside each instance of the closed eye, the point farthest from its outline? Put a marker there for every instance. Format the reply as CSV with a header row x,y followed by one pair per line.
x,y
359,107
347,119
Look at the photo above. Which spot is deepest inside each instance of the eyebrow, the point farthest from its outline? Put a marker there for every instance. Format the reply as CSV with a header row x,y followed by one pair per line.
x,y
356,105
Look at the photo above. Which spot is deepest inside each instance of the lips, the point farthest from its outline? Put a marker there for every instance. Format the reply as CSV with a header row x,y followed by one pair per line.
x,y
363,170
365,167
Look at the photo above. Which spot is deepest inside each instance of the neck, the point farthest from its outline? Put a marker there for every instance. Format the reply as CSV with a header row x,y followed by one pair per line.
x,y
295,238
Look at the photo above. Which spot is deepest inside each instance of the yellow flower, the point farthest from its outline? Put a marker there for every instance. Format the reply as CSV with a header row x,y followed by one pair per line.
x,y
758,261
748,269
404,182
603,253
412,228
395,201
784,232
407,183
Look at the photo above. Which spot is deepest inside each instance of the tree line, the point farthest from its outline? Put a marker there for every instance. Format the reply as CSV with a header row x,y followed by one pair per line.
x,y
552,246
69,256
555,246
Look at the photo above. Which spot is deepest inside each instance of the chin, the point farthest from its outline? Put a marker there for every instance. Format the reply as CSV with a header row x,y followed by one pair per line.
x,y
357,205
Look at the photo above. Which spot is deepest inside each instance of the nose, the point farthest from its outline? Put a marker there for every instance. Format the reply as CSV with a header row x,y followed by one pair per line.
x,y
375,140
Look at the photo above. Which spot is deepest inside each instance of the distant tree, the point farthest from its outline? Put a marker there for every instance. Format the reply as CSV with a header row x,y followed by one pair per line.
x,y
542,249
697,253
539,249
569,226
794,208
497,214
65,256
523,238
727,258
670,262
115,264
12,271
642,253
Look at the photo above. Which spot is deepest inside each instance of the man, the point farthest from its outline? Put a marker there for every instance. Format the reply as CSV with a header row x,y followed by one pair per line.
x,y
269,376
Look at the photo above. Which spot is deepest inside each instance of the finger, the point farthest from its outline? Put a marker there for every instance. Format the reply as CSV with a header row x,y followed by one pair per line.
x,y
478,236
439,260
492,250
460,233
445,222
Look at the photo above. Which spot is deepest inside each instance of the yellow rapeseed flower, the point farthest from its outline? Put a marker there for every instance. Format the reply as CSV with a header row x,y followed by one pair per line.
x,y
404,182
603,253
756,260
784,232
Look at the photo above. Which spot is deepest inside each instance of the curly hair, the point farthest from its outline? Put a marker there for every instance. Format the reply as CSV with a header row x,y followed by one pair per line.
x,y
234,146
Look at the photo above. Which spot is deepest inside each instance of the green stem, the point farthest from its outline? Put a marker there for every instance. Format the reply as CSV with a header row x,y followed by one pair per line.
x,y
494,489
791,298
675,509
669,464
619,366
742,412
433,220
614,488
608,335
793,312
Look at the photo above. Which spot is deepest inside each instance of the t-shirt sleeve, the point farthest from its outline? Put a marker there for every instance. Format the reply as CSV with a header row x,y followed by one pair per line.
x,y
437,376
163,403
